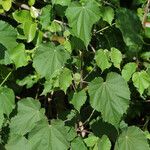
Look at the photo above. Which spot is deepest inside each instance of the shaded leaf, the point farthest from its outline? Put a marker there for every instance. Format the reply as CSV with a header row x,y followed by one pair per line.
x,y
78,99
130,26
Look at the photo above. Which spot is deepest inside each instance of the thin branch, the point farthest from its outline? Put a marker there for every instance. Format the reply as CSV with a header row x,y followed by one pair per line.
x,y
6,78
105,28
88,119
89,73
93,49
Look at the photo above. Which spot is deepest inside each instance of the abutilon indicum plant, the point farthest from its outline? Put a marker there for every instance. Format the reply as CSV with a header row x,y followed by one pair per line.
x,y
74,75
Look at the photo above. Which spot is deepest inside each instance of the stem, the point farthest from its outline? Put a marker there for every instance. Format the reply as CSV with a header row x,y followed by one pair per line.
x,y
89,73
92,48
6,78
105,28
88,119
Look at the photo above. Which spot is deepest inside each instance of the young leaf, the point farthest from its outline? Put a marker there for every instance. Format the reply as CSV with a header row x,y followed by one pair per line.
x,y
128,70
6,4
111,97
141,81
107,14
22,16
29,113
19,56
78,99
49,59
29,30
81,19
31,2
65,79
132,139
102,59
116,57
49,137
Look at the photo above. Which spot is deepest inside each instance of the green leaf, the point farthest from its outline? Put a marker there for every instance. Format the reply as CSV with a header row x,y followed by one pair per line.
x,y
91,140
7,100
81,19
102,59
49,137
128,70
55,27
49,59
34,12
65,79
61,2
29,81
22,16
104,143
45,17
4,56
116,57
78,143
19,56
7,34
29,30
17,142
6,4
78,99
29,113
1,119
145,56
130,26
107,14
111,97
31,2
132,139
141,81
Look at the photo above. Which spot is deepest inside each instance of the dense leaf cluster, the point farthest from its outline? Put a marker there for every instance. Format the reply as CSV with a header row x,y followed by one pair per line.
x,y
74,74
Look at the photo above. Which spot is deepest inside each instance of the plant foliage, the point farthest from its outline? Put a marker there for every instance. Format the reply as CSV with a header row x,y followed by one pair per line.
x,y
74,74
